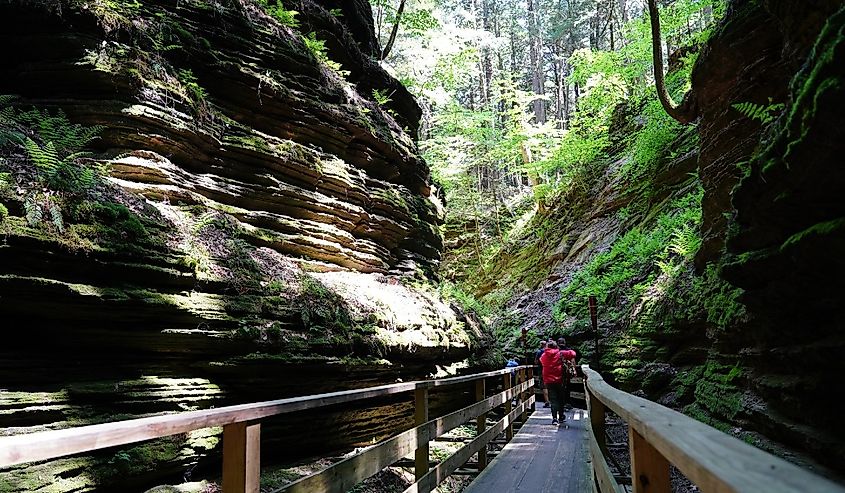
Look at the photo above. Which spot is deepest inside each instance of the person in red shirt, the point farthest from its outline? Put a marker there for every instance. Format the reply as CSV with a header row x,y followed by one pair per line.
x,y
567,355
553,378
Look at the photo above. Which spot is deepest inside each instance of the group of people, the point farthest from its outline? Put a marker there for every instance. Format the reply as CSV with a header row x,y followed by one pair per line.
x,y
557,365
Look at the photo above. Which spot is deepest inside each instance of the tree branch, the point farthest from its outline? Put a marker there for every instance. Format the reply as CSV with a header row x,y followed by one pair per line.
x,y
394,32
685,112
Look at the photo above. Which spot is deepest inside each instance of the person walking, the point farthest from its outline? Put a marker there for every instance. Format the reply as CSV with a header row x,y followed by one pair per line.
x,y
553,378
567,356
540,383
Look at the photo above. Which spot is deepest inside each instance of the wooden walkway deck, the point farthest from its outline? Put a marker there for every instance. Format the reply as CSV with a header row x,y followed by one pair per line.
x,y
541,458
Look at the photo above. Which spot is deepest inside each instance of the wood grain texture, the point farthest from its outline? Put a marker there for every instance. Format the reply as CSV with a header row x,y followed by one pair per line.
x,y
32,447
713,460
241,458
421,417
344,475
508,383
649,469
481,421
442,471
541,458
603,479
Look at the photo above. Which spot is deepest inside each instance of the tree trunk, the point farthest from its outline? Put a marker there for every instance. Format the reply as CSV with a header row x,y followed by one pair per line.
x,y
536,58
394,32
686,112
486,72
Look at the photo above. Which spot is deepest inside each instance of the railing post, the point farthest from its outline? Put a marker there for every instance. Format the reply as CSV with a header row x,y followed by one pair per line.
x,y
523,377
532,389
241,457
420,417
508,406
597,409
649,469
481,421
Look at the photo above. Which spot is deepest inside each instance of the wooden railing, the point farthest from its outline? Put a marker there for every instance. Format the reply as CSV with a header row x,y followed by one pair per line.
x,y
659,436
242,432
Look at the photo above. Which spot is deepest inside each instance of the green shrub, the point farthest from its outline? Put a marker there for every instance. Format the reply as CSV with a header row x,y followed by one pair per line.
x,y
4,212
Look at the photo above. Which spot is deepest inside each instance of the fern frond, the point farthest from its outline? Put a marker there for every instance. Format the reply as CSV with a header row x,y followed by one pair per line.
x,y
56,217
7,116
46,158
7,113
33,213
66,136
762,113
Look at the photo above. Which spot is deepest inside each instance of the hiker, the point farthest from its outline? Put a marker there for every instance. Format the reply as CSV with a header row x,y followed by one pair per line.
x,y
553,379
567,356
512,363
540,383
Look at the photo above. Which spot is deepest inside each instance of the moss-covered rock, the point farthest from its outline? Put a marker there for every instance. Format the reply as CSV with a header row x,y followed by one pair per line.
x,y
250,215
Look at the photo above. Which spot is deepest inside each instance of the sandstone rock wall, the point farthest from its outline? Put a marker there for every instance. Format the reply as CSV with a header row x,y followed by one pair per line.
x,y
266,229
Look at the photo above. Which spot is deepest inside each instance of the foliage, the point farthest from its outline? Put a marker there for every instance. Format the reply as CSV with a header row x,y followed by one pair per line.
x,y
764,114
67,138
61,173
452,292
4,212
277,10
381,96
632,258
191,83
317,48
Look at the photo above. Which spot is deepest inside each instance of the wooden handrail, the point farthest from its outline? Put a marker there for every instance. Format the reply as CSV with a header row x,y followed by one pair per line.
x,y
19,449
344,475
713,460
242,433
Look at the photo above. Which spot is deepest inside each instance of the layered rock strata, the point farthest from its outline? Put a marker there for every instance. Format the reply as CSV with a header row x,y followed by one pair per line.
x,y
266,229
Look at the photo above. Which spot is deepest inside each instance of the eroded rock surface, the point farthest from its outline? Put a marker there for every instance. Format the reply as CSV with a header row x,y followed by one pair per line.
x,y
267,228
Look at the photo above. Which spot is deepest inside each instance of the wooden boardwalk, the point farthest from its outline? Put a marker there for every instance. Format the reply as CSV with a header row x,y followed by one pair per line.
x,y
541,458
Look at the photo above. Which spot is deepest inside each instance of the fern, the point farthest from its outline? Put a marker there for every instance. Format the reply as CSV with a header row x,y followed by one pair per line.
x,y
685,241
67,137
280,13
9,131
32,211
763,113
381,96
46,159
7,113
60,173
56,217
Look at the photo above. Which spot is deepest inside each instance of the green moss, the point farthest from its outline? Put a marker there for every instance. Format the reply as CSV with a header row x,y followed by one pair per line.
x,y
817,230
696,412
813,85
714,298
140,459
717,391
275,479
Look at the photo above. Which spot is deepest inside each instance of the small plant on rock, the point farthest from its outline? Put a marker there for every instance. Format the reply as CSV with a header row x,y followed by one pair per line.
x,y
278,11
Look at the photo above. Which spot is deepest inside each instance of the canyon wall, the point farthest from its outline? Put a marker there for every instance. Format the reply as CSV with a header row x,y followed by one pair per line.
x,y
260,226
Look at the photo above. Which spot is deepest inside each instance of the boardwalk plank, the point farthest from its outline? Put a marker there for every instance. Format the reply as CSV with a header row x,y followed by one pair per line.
x,y
541,458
